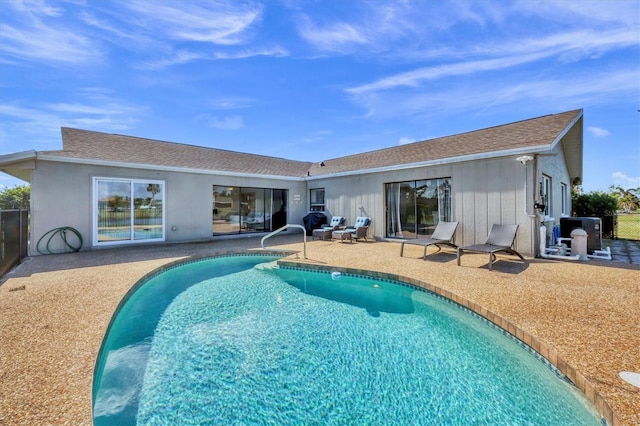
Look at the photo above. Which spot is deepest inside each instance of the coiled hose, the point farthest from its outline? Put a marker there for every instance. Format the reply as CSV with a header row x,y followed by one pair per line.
x,y
62,232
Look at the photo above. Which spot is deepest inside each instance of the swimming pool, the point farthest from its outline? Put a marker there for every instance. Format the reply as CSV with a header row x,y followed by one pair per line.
x,y
235,340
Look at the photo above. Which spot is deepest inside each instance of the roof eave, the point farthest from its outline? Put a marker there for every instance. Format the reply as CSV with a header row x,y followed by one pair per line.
x,y
156,167
19,164
538,149
575,162
16,157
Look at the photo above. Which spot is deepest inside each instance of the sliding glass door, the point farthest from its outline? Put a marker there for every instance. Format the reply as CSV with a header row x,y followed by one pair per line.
x,y
246,210
414,208
128,210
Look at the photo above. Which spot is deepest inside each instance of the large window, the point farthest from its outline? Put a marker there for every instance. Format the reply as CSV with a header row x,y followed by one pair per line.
x,y
128,210
240,210
414,208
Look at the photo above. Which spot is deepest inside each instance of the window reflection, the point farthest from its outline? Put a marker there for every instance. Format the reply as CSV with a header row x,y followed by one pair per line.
x,y
414,208
129,210
245,209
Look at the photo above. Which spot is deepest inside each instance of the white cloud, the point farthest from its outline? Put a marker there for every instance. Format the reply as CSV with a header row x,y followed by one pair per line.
x,y
598,132
218,22
565,46
405,140
336,37
176,58
183,56
415,77
557,94
232,122
277,52
40,123
624,181
231,103
620,13
40,42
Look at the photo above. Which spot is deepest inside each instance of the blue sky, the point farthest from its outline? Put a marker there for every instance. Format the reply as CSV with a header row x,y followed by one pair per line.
x,y
312,80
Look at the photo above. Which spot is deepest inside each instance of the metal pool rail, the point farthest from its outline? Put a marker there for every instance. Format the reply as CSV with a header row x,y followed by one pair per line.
x,y
285,227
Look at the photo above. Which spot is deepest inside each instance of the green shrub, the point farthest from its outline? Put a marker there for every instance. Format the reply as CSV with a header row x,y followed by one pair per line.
x,y
594,204
597,204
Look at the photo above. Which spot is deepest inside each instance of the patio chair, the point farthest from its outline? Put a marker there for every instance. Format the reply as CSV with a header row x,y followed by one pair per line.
x,y
500,239
356,231
442,235
324,232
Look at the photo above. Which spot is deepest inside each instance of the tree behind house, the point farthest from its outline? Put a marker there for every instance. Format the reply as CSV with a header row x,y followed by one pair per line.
x,y
15,198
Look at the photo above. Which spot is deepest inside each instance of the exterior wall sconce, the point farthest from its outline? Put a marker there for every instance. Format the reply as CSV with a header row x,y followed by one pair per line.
x,y
524,159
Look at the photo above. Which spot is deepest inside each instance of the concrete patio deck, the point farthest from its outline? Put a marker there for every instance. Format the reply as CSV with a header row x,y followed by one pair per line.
x,y
582,316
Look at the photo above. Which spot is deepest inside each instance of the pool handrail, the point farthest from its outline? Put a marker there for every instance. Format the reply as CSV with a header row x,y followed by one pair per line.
x,y
287,226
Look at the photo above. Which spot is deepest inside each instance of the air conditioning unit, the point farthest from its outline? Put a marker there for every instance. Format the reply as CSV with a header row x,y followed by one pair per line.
x,y
592,225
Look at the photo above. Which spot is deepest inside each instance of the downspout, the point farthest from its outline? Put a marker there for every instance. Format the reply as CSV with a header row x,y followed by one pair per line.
x,y
534,216
529,198
524,160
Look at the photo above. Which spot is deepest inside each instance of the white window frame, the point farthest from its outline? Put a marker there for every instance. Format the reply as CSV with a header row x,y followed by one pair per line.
x,y
132,240
546,194
564,200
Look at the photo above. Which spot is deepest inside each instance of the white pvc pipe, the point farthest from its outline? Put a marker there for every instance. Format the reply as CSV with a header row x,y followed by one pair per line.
x,y
543,248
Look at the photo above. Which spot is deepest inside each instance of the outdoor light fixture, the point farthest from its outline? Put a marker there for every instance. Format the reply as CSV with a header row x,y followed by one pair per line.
x,y
524,159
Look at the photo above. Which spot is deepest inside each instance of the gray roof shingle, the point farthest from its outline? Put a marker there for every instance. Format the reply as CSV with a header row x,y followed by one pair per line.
x,y
97,146
535,132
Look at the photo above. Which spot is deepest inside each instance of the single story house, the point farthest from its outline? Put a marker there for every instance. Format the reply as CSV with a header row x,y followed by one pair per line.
x,y
115,189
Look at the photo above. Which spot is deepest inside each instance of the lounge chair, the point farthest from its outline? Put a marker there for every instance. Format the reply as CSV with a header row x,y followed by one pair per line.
x,y
357,231
442,236
500,239
325,231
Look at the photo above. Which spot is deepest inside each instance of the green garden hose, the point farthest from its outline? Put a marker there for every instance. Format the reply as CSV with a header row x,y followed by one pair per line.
x,y
62,232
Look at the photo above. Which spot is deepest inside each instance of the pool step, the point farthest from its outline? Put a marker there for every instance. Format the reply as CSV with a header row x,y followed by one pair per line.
x,y
267,266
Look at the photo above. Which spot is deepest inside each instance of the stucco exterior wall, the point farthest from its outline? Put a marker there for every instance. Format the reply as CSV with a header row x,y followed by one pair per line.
x,y
62,195
554,166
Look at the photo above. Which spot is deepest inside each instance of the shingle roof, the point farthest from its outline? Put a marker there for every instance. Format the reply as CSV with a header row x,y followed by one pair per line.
x,y
88,145
532,133
104,147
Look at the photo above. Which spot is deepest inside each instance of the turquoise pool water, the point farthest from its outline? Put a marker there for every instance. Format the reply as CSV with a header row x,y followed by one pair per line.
x,y
234,341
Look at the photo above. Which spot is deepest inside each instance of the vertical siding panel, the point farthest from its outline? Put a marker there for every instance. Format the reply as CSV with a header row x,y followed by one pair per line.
x,y
480,189
511,179
514,197
458,205
466,171
494,191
